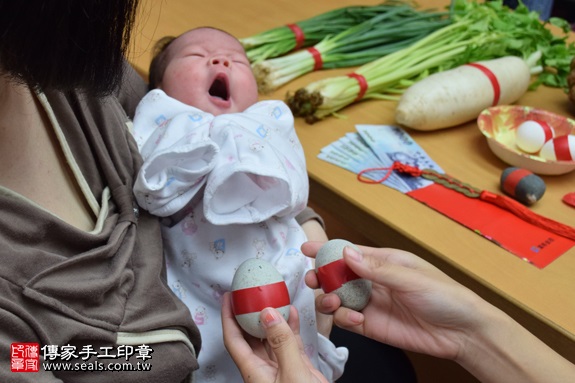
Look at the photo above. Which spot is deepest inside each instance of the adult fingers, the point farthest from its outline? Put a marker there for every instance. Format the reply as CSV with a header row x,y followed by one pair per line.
x,y
349,319
282,338
310,248
293,321
233,336
327,303
311,280
388,267
376,263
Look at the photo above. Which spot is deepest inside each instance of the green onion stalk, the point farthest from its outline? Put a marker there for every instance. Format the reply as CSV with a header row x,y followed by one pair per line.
x,y
390,31
281,40
478,32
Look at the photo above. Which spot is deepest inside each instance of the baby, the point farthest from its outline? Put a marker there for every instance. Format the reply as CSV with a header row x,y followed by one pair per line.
x,y
228,174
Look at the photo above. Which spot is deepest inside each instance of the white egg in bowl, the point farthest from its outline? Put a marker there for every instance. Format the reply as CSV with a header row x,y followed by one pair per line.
x,y
499,125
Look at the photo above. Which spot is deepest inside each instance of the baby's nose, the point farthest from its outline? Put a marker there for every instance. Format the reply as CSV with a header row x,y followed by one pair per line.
x,y
220,61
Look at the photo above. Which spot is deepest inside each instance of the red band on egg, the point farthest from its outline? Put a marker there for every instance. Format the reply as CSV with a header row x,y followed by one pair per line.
x,y
334,274
362,84
299,35
513,178
546,130
492,78
255,299
562,151
317,61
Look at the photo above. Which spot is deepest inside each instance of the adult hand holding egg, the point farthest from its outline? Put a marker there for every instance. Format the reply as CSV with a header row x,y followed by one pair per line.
x,y
409,306
257,285
335,276
413,306
280,358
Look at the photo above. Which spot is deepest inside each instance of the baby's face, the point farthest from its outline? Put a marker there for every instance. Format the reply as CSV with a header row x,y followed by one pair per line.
x,y
209,69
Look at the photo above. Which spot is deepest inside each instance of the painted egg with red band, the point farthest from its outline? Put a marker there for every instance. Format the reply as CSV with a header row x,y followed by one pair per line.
x,y
257,285
561,148
335,276
533,134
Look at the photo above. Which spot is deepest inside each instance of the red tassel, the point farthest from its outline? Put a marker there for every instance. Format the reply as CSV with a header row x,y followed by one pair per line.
x,y
502,201
527,215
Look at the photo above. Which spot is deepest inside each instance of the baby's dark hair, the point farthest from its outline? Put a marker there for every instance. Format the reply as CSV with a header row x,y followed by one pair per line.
x,y
160,56
159,61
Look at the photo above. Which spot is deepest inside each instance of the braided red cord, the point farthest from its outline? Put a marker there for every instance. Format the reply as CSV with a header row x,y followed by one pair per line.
x,y
400,167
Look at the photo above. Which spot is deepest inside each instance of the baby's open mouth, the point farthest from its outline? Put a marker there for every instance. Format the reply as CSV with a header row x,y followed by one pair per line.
x,y
219,88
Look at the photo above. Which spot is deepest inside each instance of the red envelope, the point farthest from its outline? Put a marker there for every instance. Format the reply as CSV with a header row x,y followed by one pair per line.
x,y
528,241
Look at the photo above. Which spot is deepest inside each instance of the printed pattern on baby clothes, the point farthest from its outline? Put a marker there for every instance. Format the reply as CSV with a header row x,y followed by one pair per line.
x,y
229,187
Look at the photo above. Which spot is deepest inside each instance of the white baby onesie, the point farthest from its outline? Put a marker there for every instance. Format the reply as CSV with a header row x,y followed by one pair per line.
x,y
229,187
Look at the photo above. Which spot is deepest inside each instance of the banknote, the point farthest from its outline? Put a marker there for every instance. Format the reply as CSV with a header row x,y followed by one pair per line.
x,y
377,147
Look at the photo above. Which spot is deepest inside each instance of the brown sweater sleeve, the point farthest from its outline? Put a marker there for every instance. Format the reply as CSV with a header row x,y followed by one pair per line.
x,y
307,214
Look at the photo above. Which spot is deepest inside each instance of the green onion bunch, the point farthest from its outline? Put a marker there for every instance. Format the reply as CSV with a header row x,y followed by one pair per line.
x,y
396,27
478,31
281,40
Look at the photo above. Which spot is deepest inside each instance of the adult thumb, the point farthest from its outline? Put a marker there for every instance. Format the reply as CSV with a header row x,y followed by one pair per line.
x,y
388,267
281,338
359,263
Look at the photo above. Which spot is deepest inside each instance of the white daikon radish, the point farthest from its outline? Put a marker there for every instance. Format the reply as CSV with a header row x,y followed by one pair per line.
x,y
459,95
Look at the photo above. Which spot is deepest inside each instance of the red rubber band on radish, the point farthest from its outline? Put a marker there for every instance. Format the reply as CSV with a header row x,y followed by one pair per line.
x,y
513,179
362,85
255,299
333,275
492,78
317,61
562,152
299,35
